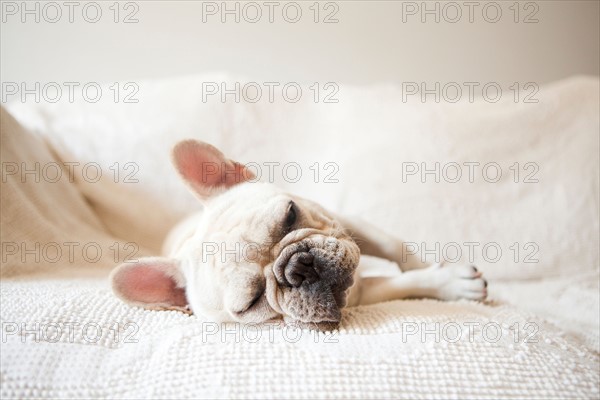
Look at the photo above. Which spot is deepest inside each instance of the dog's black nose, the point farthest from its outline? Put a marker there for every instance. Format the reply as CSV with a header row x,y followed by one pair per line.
x,y
300,268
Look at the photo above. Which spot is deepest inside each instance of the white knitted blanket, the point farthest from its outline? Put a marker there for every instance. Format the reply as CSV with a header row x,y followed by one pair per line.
x,y
75,340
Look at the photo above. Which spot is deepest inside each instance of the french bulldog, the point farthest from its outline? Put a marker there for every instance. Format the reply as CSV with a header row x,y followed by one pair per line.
x,y
256,253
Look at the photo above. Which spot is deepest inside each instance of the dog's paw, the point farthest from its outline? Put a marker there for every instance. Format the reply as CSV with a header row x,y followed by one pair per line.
x,y
453,282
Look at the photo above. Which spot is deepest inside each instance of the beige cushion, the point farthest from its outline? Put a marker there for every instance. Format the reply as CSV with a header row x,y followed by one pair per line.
x,y
46,222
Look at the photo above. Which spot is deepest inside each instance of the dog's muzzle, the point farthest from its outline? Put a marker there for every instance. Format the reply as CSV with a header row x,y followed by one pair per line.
x,y
313,277
296,265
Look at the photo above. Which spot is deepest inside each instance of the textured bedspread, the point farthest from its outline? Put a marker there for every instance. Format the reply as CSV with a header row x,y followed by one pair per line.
x,y
92,345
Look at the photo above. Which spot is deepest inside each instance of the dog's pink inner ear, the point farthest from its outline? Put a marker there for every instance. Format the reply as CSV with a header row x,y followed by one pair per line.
x,y
152,284
206,169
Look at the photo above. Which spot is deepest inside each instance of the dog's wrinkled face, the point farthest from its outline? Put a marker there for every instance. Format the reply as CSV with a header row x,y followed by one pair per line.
x,y
257,253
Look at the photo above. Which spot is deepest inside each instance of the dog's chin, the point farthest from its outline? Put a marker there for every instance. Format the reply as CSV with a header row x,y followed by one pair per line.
x,y
324,326
319,305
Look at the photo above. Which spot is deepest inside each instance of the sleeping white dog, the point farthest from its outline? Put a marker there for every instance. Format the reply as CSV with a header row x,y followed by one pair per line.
x,y
256,253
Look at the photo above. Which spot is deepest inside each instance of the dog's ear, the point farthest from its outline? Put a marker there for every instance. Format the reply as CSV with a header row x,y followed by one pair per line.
x,y
206,170
155,283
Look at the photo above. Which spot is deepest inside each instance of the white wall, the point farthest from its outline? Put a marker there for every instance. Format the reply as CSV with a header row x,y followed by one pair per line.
x,y
370,43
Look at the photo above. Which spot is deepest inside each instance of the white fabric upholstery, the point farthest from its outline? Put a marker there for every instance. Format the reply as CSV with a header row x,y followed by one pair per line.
x,y
368,134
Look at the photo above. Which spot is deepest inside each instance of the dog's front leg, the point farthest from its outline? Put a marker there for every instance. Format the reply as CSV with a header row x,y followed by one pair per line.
x,y
373,241
436,282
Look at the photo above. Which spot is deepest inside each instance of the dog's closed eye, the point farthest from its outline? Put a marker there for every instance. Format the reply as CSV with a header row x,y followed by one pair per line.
x,y
257,296
252,303
291,216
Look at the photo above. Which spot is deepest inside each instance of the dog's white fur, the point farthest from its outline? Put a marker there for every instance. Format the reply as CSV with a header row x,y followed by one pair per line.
x,y
224,262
